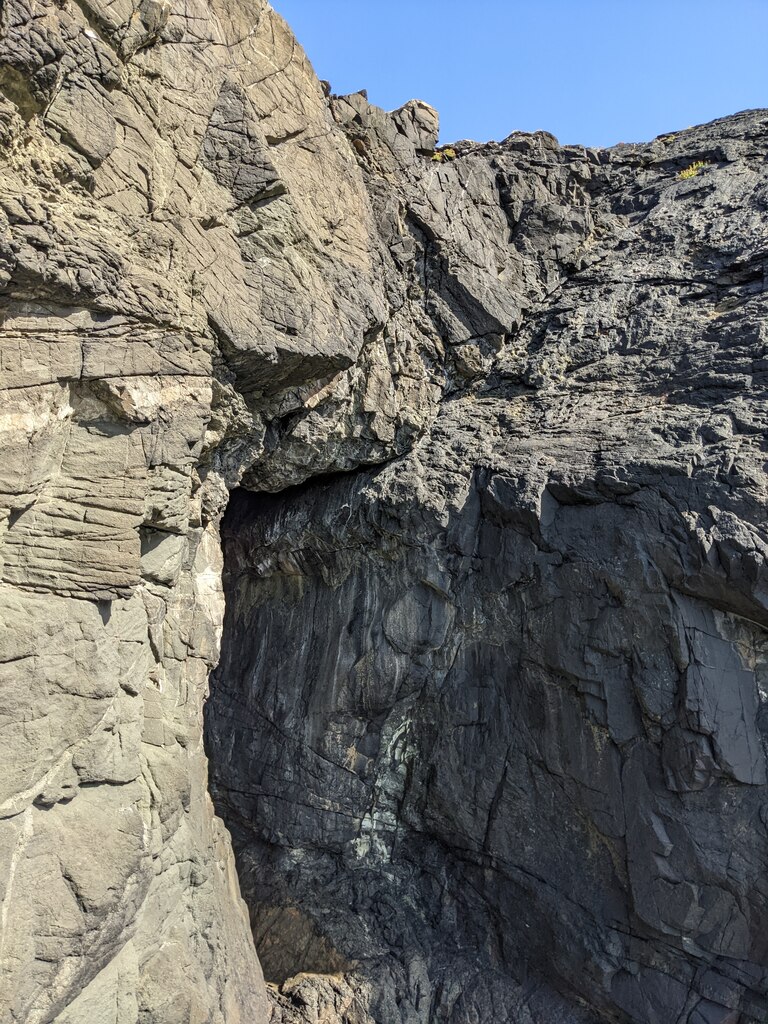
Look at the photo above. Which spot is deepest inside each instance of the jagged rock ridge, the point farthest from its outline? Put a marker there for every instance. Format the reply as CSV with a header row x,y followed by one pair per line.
x,y
487,727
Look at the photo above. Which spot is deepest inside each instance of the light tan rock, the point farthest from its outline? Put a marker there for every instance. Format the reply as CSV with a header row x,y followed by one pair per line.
x,y
189,260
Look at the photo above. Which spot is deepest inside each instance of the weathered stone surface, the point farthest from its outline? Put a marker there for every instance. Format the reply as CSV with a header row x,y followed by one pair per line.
x,y
488,728
495,712
162,221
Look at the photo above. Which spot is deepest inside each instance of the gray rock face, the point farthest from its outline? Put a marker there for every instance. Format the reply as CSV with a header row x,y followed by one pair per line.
x,y
488,725
490,721
175,277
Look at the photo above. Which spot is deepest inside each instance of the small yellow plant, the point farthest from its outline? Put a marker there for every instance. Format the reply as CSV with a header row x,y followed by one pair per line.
x,y
444,154
692,170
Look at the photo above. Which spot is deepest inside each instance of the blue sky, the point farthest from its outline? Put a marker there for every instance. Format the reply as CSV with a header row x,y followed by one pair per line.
x,y
589,71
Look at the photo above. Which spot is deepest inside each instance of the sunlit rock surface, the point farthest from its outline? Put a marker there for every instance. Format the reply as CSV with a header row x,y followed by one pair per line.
x,y
487,728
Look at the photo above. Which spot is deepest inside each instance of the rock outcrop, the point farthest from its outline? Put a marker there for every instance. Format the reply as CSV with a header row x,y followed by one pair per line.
x,y
490,720
488,726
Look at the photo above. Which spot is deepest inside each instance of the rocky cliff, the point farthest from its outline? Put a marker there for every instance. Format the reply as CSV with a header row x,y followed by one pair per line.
x,y
489,719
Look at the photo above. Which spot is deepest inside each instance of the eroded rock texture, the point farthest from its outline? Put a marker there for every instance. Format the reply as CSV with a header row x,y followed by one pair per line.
x,y
188,260
490,721
487,726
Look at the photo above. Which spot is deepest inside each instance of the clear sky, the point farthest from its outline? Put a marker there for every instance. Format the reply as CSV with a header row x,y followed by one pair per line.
x,y
595,72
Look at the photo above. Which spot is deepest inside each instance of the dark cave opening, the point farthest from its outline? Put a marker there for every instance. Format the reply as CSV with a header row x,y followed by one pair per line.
x,y
365,839
288,940
433,743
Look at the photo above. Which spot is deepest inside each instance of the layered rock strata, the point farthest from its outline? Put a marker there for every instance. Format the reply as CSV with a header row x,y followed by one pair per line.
x,y
487,727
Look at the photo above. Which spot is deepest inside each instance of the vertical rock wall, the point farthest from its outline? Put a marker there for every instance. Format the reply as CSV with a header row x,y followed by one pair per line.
x,y
508,686
176,275
489,726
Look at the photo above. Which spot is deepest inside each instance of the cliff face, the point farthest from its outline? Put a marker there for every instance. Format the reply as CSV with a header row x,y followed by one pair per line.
x,y
174,271
490,720
488,724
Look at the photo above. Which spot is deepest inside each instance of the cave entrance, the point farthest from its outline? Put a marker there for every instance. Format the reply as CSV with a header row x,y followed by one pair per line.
x,y
260,705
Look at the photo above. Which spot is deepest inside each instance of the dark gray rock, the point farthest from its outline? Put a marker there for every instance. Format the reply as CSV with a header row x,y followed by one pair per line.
x,y
490,723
